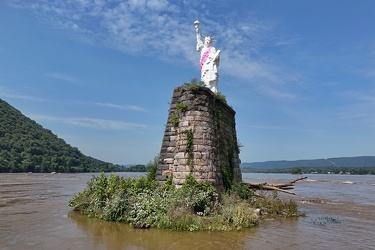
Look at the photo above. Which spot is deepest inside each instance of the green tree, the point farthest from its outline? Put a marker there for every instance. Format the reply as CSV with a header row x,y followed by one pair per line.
x,y
26,146
296,171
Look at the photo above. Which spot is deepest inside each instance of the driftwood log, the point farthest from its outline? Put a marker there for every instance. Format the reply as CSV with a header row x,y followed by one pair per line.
x,y
282,187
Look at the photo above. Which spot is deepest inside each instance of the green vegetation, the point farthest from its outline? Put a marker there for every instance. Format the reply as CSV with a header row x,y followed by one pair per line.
x,y
194,84
221,97
296,171
181,107
26,146
189,148
136,168
175,117
353,165
228,148
152,167
227,169
195,206
175,120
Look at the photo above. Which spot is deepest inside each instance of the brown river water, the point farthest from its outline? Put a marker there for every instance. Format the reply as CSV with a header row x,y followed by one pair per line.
x,y
34,214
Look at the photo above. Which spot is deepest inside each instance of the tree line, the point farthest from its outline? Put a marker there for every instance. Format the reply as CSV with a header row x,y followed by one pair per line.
x,y
315,170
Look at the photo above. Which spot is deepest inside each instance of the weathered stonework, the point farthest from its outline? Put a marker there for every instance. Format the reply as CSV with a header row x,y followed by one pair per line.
x,y
200,139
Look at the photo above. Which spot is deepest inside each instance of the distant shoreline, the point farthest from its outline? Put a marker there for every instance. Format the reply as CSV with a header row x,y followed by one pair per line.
x,y
314,170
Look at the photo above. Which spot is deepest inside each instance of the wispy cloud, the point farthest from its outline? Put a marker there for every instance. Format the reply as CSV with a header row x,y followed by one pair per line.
x,y
164,29
275,93
62,77
91,122
357,116
370,73
280,128
123,107
360,112
367,97
11,94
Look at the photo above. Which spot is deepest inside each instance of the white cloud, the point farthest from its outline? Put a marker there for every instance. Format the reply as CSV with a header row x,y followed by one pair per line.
x,y
123,107
281,128
62,77
10,94
367,97
91,122
164,29
137,4
103,124
275,93
360,110
157,4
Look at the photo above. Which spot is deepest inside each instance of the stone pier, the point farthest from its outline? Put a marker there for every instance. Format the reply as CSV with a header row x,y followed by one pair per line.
x,y
200,139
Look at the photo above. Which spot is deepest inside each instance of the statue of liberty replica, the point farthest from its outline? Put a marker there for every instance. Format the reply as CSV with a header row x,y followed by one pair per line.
x,y
200,135
209,60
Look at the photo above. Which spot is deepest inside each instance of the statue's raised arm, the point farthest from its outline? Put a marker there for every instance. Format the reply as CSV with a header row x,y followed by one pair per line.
x,y
209,60
198,35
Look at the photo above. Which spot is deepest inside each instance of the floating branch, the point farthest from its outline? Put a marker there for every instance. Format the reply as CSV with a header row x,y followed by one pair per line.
x,y
279,187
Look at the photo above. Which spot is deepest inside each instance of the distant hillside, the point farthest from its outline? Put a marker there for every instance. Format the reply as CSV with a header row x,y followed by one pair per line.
x,y
26,146
360,161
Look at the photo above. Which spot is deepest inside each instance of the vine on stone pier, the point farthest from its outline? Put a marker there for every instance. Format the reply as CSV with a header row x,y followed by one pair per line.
x,y
227,148
175,117
189,148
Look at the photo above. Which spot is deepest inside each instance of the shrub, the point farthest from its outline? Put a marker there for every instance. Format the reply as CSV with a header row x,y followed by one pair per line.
x,y
274,205
115,209
151,168
296,171
238,213
146,207
181,107
175,119
242,191
198,196
194,84
221,97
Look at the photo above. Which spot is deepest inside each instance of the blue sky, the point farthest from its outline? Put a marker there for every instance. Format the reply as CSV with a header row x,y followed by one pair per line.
x,y
300,74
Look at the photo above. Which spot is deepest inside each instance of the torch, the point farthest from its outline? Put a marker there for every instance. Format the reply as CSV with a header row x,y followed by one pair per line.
x,y
196,24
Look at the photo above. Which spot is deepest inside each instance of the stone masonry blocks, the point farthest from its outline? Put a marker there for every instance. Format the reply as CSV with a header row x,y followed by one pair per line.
x,y
210,123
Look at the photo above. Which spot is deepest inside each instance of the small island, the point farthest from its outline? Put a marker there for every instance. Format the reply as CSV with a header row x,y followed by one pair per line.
x,y
195,206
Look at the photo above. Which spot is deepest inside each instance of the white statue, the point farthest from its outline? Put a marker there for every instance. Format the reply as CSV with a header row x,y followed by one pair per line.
x,y
209,62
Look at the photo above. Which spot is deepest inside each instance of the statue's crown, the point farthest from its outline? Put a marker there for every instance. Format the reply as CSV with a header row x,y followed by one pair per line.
x,y
211,37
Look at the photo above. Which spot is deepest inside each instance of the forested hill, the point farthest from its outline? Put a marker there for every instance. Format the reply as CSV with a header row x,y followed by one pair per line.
x,y
359,161
26,146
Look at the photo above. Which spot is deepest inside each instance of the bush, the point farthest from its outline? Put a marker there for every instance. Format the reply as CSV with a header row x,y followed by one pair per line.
x,y
275,205
199,196
242,191
238,213
151,168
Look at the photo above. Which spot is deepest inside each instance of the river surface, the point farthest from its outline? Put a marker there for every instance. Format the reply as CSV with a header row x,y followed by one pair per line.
x,y
34,214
